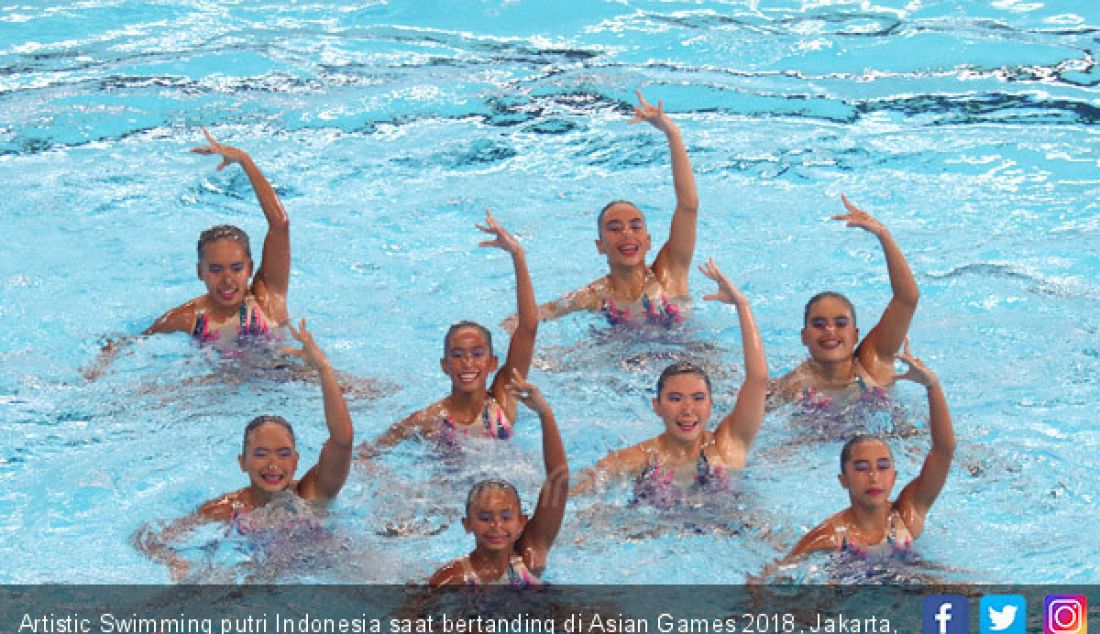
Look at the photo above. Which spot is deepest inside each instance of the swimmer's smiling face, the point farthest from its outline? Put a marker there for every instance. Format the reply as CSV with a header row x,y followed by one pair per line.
x,y
869,473
225,269
684,405
469,360
270,458
830,331
624,238
495,519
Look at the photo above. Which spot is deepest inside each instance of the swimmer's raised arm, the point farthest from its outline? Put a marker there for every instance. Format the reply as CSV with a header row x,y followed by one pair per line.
x,y
273,278
919,495
327,477
737,430
876,351
542,528
673,262
521,347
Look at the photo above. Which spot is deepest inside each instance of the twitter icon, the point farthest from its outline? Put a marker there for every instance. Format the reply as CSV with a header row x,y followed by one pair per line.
x,y
1003,614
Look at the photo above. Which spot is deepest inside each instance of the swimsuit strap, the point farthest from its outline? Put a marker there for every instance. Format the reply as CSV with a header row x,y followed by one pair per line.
x,y
702,468
519,575
252,321
496,426
201,331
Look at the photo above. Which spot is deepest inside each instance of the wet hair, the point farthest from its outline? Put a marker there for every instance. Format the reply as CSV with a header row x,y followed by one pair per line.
x,y
820,296
260,421
465,323
224,232
492,483
681,367
858,439
599,217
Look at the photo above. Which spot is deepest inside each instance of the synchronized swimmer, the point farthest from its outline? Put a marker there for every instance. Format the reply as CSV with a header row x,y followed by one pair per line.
x,y
838,367
509,548
474,406
269,456
237,305
634,291
687,455
485,394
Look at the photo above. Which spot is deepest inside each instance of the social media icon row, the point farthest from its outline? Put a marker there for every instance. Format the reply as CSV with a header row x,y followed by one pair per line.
x,y
1004,614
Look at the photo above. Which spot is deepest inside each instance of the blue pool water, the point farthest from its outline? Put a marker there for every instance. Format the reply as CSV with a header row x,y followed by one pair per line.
x,y
387,128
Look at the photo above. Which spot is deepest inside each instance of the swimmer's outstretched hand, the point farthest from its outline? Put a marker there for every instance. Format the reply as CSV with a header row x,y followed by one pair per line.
x,y
917,372
503,240
311,353
727,292
229,154
654,116
527,393
856,217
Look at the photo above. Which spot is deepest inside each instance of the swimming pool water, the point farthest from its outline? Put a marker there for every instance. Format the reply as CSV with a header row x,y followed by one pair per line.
x,y
388,128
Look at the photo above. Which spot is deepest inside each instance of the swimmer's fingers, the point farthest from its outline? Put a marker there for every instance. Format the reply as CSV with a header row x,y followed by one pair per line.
x,y
849,206
526,392
300,331
504,240
309,351
917,371
856,217
645,111
727,292
212,146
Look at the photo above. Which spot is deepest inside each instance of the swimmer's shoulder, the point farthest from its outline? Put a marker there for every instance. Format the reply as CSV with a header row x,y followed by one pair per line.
x,y
633,459
223,508
448,575
791,385
824,536
426,421
179,319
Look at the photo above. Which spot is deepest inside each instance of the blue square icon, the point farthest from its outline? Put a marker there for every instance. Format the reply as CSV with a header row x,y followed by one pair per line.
x,y
945,614
1003,614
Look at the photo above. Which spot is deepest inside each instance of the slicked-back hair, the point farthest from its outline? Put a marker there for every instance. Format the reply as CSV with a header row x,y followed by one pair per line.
x,y
681,367
224,232
260,421
820,296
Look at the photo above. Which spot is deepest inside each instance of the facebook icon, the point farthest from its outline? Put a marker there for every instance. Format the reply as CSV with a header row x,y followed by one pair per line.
x,y
946,614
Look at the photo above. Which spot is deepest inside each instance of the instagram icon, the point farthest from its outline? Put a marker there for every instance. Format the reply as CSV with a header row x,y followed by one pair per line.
x,y
1065,614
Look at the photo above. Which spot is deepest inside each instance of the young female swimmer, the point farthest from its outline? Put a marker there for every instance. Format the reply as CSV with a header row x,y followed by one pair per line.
x,y
509,548
872,523
270,458
634,291
686,454
837,366
474,407
236,305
